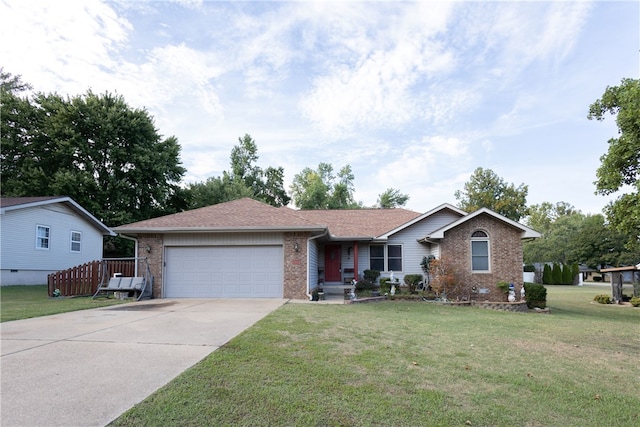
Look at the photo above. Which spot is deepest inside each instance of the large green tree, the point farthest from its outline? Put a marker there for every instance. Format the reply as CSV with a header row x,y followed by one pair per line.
x,y
245,179
392,198
572,237
485,189
107,156
321,189
620,166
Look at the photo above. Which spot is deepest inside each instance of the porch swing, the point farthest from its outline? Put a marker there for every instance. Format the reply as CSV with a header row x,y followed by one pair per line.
x,y
140,285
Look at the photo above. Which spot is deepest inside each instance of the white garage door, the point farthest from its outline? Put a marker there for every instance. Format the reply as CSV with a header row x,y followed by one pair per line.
x,y
224,272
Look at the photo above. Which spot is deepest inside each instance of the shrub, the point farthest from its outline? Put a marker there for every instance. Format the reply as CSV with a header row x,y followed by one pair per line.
x,y
371,275
412,281
503,286
529,268
385,286
535,295
597,278
635,301
556,274
546,275
364,285
567,277
602,299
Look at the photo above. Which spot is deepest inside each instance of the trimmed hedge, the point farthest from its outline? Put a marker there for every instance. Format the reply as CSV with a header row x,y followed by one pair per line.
x,y
535,295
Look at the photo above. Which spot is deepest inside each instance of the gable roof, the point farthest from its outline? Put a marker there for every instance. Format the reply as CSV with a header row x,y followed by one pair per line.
x,y
237,215
359,223
8,204
444,206
527,233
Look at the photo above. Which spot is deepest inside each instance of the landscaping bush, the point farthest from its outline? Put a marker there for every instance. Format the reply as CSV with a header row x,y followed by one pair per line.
x,y
412,281
385,286
535,295
602,299
529,268
546,275
504,287
364,285
635,301
567,277
556,274
597,278
371,275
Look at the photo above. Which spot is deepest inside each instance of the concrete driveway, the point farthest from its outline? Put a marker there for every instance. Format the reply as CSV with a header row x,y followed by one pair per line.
x,y
86,368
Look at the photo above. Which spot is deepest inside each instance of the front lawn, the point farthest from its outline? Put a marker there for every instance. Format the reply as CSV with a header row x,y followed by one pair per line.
x,y
412,363
22,302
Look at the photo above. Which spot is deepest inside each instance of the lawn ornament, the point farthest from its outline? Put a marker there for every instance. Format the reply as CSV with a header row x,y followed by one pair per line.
x,y
512,293
522,293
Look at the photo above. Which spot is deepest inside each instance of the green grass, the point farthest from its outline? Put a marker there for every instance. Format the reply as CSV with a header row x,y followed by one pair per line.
x,y
412,363
23,302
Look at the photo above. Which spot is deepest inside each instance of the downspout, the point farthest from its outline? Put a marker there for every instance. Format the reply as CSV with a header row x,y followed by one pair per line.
x,y
308,263
135,239
356,274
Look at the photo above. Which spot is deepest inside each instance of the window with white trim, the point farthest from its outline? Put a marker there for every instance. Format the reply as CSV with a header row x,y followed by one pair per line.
x,y
376,257
43,233
385,258
394,258
76,241
479,251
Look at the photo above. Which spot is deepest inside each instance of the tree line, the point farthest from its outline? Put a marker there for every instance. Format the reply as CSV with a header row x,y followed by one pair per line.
x,y
112,160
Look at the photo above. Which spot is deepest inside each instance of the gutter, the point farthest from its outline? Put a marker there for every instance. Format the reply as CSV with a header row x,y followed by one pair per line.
x,y
308,258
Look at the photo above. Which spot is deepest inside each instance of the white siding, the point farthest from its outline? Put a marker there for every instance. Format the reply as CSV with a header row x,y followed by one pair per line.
x,y
313,263
412,251
18,243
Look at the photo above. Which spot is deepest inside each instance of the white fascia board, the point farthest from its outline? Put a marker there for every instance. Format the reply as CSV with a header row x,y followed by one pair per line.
x,y
74,206
527,233
421,217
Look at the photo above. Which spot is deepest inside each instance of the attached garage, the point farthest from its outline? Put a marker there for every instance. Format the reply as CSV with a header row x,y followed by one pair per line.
x,y
224,272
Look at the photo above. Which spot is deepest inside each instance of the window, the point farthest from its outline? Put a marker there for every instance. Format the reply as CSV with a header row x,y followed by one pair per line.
x,y
76,241
376,257
479,251
392,260
42,237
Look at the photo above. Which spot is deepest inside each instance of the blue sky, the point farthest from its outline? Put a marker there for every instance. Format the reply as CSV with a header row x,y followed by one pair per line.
x,y
413,96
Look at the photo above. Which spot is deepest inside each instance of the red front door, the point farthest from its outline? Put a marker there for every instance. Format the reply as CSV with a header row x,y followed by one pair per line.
x,y
332,263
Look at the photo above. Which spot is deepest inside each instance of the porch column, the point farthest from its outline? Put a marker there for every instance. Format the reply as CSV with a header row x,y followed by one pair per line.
x,y
355,260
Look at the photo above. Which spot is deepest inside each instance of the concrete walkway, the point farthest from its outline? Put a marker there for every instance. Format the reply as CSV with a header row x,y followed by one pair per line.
x,y
86,368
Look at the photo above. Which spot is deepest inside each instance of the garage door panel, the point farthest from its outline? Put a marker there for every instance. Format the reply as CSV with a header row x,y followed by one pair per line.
x,y
224,272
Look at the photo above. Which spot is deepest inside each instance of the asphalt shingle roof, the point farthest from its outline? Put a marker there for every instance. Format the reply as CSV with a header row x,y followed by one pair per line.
x,y
238,214
248,214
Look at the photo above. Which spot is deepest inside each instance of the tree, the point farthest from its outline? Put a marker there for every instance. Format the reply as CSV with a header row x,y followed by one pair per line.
x,y
620,166
319,189
12,84
572,237
94,148
391,198
485,189
244,180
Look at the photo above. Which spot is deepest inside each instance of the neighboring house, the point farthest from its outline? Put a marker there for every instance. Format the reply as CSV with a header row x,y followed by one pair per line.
x,y
245,248
41,235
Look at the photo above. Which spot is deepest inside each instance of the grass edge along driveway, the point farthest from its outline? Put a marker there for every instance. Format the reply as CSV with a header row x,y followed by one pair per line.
x,y
23,302
408,364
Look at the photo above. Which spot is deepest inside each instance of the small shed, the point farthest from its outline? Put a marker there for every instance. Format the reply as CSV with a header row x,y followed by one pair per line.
x,y
617,279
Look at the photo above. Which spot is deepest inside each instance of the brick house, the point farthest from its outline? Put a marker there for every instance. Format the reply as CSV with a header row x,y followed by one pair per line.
x,y
245,248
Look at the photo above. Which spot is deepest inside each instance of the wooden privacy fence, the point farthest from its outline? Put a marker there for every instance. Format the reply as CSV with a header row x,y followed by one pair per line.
x,y
84,279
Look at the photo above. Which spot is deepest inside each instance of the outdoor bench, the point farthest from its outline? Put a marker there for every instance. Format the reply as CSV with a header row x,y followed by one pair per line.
x,y
124,284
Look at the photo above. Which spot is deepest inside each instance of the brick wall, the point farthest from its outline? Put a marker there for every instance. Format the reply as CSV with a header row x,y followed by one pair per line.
x,y
505,254
150,246
295,265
